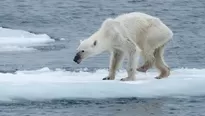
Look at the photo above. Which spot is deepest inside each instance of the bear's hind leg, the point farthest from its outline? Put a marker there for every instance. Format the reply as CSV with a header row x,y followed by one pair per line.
x,y
160,63
147,65
149,61
115,61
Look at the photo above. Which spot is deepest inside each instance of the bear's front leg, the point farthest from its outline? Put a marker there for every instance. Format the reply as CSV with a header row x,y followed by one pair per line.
x,y
115,61
131,66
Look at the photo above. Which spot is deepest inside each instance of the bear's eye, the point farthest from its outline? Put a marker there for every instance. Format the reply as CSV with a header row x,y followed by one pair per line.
x,y
83,51
95,42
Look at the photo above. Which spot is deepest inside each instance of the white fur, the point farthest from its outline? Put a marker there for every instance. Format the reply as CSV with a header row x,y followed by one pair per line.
x,y
129,36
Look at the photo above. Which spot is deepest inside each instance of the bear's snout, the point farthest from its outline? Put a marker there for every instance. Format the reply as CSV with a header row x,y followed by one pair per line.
x,y
77,58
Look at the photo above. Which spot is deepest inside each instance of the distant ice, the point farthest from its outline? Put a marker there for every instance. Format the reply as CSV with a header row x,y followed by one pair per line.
x,y
20,40
47,84
62,38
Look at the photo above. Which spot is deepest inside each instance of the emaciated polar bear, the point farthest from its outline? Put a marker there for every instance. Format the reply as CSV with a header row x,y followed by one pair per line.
x,y
129,36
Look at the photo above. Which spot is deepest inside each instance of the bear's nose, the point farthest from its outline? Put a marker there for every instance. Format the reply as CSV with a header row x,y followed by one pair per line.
x,y
77,58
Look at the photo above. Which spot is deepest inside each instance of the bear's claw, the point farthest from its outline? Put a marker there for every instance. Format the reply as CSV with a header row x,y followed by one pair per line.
x,y
106,78
127,79
158,77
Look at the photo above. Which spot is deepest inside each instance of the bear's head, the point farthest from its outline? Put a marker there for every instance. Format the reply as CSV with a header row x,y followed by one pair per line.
x,y
90,47
97,43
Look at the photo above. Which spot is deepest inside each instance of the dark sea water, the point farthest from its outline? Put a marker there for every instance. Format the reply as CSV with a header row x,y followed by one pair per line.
x,y
78,19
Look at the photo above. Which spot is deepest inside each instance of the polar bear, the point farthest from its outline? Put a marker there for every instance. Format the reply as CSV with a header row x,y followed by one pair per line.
x,y
129,36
